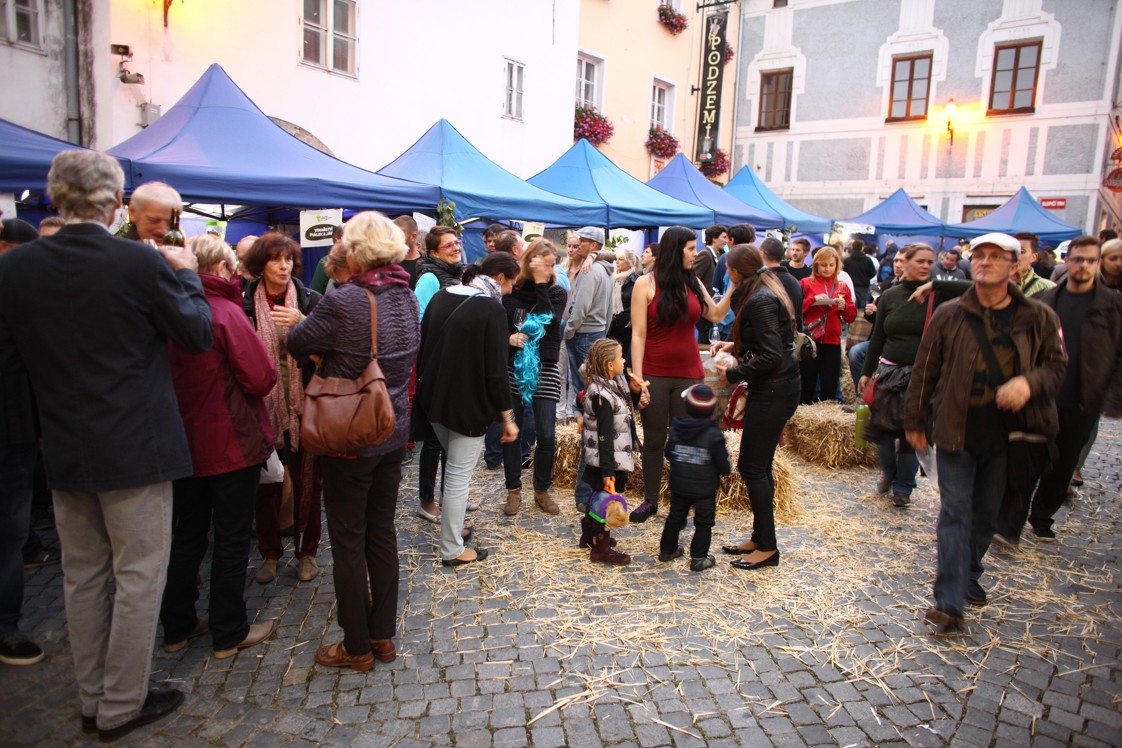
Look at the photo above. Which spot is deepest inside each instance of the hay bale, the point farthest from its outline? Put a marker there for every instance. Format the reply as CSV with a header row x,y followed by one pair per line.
x,y
732,496
823,434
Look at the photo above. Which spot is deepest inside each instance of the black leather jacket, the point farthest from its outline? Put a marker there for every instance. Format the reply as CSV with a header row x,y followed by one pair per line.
x,y
766,347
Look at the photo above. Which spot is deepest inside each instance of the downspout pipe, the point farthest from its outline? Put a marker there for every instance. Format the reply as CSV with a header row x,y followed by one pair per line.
x,y
70,67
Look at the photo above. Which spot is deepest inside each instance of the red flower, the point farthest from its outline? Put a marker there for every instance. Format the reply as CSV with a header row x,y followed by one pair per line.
x,y
716,165
592,126
661,143
672,20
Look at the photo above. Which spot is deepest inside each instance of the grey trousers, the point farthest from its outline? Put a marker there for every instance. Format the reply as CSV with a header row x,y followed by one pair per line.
x,y
123,537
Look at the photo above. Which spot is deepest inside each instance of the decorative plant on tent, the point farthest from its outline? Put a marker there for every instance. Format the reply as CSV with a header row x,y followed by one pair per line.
x,y
672,20
662,144
446,216
716,165
592,126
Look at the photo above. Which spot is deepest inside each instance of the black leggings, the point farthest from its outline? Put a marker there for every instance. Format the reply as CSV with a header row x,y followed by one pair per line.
x,y
770,406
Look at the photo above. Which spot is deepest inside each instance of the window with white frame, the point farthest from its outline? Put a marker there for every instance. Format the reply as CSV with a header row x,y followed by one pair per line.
x,y
512,103
330,35
675,4
21,22
588,81
662,104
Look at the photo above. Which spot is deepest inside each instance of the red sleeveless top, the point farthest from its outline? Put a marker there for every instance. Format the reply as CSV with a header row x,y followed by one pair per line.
x,y
672,351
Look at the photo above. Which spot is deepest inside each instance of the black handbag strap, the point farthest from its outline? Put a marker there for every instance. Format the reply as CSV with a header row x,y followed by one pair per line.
x,y
993,368
444,326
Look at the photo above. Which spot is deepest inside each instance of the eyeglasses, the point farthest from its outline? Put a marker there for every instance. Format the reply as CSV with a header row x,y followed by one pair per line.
x,y
1082,260
456,243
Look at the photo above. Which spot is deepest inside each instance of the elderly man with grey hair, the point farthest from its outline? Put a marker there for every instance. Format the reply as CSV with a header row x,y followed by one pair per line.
x,y
90,315
150,210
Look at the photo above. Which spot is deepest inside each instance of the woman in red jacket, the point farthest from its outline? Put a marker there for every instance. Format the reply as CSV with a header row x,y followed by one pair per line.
x,y
220,400
826,302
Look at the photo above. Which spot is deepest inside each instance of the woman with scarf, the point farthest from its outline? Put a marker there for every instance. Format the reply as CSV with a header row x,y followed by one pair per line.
x,y
360,487
893,346
534,312
463,385
277,301
440,267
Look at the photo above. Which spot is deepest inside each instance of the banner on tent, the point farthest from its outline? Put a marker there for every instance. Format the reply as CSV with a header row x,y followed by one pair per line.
x,y
318,226
712,76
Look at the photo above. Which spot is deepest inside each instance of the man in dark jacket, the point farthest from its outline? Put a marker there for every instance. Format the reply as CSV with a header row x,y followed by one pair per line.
x,y
698,458
1091,319
862,270
89,315
978,412
772,250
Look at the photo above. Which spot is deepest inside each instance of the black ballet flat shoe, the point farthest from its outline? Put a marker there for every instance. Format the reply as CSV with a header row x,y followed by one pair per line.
x,y
772,560
736,550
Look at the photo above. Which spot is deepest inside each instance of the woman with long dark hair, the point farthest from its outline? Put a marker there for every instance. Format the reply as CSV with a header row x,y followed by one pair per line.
x,y
665,307
463,386
764,346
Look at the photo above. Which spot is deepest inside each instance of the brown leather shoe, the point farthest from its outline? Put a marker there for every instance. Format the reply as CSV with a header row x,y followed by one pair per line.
x,y
201,627
513,501
307,570
383,649
335,655
546,503
258,632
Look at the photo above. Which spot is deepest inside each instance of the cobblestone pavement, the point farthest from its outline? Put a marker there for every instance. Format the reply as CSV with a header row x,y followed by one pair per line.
x,y
537,647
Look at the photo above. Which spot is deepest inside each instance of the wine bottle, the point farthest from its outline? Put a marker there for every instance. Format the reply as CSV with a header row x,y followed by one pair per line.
x,y
174,237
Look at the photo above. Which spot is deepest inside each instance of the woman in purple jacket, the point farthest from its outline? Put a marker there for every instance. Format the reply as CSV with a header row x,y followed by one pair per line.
x,y
360,488
220,399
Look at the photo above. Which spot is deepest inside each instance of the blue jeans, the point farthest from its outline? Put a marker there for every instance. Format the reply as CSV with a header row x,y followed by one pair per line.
x,y
542,412
577,347
971,486
899,464
16,465
856,356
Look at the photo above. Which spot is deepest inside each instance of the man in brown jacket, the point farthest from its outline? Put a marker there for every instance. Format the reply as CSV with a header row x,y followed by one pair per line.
x,y
987,372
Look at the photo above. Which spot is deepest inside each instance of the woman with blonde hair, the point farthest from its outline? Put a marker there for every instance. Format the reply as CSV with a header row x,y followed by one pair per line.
x,y
627,272
827,300
534,310
360,487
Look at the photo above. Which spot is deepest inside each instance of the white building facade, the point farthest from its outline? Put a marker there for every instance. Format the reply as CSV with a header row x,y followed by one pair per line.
x,y
961,102
364,77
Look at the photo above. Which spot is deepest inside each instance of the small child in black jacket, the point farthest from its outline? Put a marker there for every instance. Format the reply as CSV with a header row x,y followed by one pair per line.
x,y
698,458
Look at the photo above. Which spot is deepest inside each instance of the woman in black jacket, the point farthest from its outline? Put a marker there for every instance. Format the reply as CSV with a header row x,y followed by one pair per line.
x,y
535,375
275,302
763,343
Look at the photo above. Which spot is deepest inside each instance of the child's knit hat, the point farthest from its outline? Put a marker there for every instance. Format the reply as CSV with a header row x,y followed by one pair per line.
x,y
700,400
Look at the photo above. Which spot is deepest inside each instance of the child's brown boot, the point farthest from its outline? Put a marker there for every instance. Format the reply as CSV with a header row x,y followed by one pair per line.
x,y
602,551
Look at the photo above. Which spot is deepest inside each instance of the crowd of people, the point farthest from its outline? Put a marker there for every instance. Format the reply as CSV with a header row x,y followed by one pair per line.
x,y
167,388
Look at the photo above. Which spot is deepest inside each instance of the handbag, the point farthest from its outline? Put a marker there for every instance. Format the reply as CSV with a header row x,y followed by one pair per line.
x,y
345,415
273,470
737,406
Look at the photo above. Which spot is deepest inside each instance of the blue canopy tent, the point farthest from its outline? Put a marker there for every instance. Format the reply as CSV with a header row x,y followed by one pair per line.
x,y
26,155
750,189
216,146
444,159
584,173
1019,213
682,180
899,214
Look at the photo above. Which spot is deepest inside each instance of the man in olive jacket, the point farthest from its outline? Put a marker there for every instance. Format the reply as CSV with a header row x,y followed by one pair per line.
x,y
979,412
90,316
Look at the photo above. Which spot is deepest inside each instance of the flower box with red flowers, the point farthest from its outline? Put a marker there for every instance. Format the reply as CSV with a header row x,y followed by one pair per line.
x,y
716,165
592,126
672,20
661,143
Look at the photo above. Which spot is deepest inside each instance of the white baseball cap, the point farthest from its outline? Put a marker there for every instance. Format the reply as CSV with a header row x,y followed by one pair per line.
x,y
996,238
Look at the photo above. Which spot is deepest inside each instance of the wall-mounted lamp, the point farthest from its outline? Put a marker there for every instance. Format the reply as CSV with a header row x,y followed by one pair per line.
x,y
951,108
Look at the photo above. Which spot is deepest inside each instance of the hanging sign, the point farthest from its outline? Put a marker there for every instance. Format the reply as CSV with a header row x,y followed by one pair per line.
x,y
712,76
317,226
1053,203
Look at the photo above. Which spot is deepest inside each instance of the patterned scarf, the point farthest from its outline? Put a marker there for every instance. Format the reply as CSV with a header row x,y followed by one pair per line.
x,y
488,286
284,411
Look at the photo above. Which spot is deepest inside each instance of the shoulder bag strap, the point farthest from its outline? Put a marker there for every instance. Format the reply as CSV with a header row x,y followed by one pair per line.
x,y
373,325
930,310
997,377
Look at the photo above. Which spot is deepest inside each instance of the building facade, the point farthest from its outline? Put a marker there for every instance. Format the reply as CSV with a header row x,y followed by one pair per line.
x,y
961,102
638,73
363,77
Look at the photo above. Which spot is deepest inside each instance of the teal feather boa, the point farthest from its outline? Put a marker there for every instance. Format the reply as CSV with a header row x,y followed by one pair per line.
x,y
527,361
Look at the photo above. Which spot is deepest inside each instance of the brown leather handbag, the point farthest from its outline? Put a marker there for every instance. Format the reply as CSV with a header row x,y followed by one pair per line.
x,y
346,415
